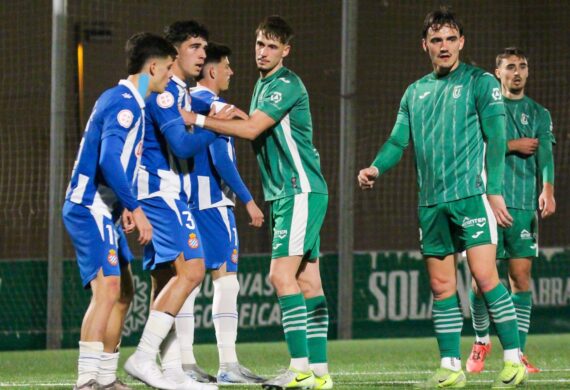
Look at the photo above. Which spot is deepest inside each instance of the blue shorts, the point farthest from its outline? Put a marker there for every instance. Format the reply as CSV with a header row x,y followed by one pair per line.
x,y
125,254
219,234
173,232
95,241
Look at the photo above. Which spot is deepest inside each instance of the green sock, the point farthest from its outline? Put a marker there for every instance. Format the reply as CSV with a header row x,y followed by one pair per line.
x,y
504,316
448,323
479,314
523,307
317,329
294,318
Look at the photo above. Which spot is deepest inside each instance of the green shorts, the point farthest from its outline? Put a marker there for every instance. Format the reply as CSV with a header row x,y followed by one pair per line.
x,y
296,222
521,239
453,227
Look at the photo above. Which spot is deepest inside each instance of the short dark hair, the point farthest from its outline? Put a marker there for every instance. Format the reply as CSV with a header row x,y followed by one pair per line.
x,y
510,51
214,54
143,46
182,30
440,17
275,27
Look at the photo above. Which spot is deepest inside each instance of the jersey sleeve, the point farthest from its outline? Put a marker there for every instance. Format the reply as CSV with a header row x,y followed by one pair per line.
x,y
280,97
221,152
403,117
200,105
164,110
545,127
119,118
488,98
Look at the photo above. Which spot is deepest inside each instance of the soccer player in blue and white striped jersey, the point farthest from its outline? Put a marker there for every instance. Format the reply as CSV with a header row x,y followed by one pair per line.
x,y
103,172
216,182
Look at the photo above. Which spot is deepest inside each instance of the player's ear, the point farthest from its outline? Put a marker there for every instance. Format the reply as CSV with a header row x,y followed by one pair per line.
x,y
286,51
152,68
212,72
461,42
497,73
424,45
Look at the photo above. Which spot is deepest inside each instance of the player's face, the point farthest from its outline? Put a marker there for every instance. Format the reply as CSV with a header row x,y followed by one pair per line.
x,y
191,56
443,47
223,73
513,73
269,54
160,73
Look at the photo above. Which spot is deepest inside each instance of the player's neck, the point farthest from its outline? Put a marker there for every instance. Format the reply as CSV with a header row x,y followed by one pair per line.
x,y
513,95
140,81
270,73
442,72
210,85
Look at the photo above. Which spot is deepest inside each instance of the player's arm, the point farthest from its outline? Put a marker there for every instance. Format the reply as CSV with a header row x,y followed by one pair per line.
x,y
491,110
183,143
219,150
392,151
545,157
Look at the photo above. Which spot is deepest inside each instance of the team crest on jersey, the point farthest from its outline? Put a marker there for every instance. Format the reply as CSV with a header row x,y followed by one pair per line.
x,y
165,100
193,241
276,97
235,256
112,257
524,119
125,118
457,91
496,94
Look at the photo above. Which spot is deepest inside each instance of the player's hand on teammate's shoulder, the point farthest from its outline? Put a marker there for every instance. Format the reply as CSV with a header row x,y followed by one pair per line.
x,y
526,146
227,111
143,226
499,207
128,222
255,214
546,202
367,177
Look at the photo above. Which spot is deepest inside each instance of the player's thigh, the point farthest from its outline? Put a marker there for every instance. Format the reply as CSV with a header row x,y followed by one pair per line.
x,y
95,242
174,232
474,222
436,234
521,238
297,221
442,275
218,230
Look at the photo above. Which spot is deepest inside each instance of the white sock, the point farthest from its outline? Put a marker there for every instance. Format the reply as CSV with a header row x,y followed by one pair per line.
x,y
157,327
450,363
484,340
320,369
108,368
225,316
512,355
170,358
88,361
185,328
300,364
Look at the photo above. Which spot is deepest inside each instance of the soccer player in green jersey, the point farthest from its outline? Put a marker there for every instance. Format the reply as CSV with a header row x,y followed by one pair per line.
x,y
529,158
281,129
456,119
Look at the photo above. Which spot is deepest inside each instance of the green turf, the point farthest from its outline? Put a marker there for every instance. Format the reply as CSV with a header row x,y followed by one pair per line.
x,y
359,364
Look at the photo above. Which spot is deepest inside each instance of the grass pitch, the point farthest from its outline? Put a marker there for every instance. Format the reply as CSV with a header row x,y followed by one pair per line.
x,y
356,364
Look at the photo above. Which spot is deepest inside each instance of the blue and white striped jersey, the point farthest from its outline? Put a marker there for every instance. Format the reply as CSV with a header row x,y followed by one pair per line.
x,y
109,151
161,173
215,178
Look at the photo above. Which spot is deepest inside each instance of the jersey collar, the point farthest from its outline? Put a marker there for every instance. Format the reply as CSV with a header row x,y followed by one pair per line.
x,y
134,91
199,88
178,81
279,72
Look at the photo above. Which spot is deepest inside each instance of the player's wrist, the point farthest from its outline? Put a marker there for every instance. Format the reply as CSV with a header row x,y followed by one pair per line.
x,y
376,170
200,120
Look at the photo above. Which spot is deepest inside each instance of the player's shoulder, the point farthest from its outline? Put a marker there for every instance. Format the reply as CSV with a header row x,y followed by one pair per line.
x,y
118,97
288,79
479,74
536,105
166,99
202,98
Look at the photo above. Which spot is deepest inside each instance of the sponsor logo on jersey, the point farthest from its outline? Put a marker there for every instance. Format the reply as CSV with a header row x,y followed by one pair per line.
x,y
112,257
125,118
235,256
470,222
457,91
165,100
276,97
496,94
424,95
526,235
524,119
193,241
281,234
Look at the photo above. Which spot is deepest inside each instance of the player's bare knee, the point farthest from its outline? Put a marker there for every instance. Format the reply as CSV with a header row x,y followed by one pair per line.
x,y
281,280
310,288
520,282
442,287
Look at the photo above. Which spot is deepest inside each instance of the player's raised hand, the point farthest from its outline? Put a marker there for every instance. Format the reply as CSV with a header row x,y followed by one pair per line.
x,y
367,177
128,221
255,214
143,226
526,146
497,203
546,202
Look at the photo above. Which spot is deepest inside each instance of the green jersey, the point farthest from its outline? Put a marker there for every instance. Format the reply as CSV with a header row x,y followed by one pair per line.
x,y
288,160
525,119
444,115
